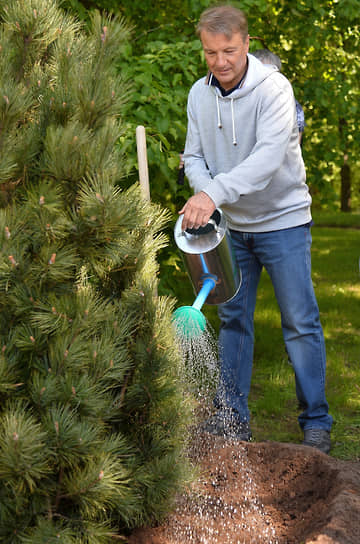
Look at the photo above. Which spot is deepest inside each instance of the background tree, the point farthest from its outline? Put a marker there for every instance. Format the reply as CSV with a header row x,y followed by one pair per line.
x,y
318,45
92,416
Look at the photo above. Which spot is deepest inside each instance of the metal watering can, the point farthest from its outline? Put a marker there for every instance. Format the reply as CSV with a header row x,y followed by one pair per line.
x,y
210,263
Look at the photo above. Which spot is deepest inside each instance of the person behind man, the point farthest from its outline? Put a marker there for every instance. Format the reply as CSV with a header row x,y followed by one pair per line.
x,y
242,155
268,57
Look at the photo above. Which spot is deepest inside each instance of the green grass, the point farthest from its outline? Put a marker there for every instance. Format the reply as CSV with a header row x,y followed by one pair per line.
x,y
336,219
273,403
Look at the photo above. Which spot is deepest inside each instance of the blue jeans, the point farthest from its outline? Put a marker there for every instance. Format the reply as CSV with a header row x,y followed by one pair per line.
x,y
285,254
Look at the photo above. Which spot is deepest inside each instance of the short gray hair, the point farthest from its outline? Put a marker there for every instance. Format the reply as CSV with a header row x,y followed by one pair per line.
x,y
267,57
223,20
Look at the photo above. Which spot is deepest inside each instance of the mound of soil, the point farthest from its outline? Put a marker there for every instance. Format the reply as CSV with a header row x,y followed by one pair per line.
x,y
263,493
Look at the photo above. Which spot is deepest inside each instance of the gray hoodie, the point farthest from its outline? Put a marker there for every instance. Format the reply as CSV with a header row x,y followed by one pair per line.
x,y
243,151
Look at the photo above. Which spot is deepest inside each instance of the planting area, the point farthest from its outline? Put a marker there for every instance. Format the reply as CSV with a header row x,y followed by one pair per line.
x,y
263,493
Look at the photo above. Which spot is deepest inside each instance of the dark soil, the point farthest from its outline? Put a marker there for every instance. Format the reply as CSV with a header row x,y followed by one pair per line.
x,y
263,493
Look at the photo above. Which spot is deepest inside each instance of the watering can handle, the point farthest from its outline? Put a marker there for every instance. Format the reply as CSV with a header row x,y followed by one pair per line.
x,y
211,225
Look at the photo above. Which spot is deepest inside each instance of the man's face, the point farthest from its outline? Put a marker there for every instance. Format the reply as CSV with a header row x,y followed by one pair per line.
x,y
226,58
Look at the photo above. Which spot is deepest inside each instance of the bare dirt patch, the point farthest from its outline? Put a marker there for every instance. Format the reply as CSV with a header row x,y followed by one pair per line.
x,y
263,493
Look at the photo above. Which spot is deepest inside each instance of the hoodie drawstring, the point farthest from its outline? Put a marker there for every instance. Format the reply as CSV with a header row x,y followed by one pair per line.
x,y
232,118
233,122
218,112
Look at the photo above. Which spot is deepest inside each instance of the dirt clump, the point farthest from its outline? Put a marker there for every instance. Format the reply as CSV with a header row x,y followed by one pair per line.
x,y
263,493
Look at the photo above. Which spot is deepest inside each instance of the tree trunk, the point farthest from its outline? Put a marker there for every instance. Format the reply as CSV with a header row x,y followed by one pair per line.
x,y
345,175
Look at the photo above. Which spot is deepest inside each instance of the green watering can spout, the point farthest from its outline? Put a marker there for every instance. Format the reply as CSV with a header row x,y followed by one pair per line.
x,y
189,322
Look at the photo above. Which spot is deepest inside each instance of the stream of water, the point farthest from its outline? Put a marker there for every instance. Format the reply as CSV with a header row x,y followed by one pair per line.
x,y
199,364
218,518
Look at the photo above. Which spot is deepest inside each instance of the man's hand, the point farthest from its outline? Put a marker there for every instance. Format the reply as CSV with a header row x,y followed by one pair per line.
x,y
197,211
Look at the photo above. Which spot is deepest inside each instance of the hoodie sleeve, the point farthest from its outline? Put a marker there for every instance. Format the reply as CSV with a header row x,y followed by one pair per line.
x,y
195,165
274,129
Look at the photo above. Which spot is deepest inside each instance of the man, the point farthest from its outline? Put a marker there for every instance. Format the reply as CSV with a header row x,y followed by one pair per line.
x,y
268,57
242,155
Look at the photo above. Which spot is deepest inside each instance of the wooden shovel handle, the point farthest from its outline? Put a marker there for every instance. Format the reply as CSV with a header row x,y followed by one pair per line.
x,y
142,161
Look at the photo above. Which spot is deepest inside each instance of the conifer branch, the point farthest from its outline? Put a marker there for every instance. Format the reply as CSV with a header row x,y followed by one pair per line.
x,y
78,272
59,483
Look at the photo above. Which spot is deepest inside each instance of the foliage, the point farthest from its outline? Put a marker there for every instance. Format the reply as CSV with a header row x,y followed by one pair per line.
x,y
318,45
160,17
92,418
159,103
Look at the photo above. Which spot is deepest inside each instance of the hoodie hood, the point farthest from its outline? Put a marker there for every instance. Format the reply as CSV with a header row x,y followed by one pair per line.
x,y
256,73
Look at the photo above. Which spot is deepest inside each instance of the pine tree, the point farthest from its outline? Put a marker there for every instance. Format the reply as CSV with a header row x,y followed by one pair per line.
x,y
92,418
